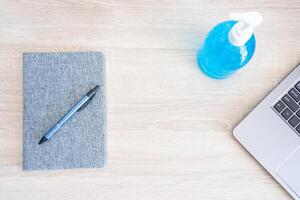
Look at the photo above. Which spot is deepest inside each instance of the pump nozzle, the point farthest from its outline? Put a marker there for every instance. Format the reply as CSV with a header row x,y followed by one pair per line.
x,y
242,31
252,19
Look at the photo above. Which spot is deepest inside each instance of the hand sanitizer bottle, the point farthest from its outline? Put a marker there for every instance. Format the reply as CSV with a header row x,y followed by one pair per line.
x,y
229,45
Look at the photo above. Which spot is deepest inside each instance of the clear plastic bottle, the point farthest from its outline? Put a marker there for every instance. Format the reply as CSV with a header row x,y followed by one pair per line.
x,y
229,45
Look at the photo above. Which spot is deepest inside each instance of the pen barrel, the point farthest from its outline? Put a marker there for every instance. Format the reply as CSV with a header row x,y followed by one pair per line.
x,y
52,131
66,117
72,111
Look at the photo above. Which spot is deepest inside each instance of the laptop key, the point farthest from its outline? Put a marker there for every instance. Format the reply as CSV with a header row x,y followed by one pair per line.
x,y
279,106
298,113
294,94
297,86
298,129
287,99
294,121
287,113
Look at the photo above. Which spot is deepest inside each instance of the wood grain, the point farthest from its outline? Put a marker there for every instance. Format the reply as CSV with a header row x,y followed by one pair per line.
x,y
169,126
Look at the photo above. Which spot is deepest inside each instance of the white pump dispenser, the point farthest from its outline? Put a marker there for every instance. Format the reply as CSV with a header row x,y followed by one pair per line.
x,y
242,31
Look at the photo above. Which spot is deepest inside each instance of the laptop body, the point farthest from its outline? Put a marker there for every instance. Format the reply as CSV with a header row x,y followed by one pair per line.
x,y
271,133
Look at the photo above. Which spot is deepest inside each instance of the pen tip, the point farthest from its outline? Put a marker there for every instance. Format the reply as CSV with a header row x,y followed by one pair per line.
x,y
96,87
92,91
44,139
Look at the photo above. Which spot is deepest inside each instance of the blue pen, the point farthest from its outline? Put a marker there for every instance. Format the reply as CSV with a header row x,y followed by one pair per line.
x,y
82,103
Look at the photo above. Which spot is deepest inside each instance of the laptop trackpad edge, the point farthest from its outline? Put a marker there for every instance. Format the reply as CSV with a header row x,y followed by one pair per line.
x,y
289,171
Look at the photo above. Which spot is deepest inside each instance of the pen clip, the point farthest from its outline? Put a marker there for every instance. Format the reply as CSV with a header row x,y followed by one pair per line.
x,y
86,103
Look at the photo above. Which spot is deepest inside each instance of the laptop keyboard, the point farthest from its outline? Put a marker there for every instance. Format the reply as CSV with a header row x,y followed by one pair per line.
x,y
288,107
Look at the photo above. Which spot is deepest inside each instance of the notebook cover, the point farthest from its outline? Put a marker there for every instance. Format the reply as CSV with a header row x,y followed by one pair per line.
x,y
53,83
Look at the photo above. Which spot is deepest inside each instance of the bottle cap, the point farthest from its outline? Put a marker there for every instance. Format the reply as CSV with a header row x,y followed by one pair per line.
x,y
242,31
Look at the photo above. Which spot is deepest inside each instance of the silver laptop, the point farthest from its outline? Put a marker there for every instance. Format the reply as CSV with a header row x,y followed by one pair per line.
x,y
271,133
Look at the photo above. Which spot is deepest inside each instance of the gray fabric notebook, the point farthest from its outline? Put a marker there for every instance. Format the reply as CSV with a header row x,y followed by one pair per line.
x,y
53,83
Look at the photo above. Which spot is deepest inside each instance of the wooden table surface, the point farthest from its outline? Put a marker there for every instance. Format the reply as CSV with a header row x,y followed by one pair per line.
x,y
169,130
